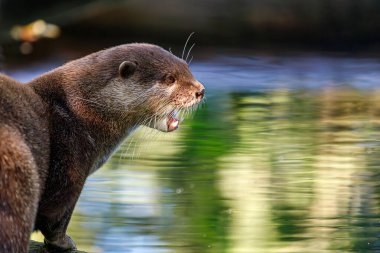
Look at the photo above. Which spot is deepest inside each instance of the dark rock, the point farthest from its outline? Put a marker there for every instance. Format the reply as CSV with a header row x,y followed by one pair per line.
x,y
39,247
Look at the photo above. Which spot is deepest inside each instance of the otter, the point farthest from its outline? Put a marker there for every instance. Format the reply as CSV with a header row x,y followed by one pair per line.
x,y
62,126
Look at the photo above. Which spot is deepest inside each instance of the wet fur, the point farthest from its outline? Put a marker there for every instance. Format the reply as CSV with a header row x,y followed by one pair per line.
x,y
63,125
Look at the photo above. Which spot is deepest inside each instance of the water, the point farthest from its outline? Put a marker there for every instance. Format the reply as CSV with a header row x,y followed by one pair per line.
x,y
284,157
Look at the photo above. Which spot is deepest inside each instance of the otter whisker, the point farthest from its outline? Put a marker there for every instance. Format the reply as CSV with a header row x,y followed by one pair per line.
x,y
134,150
143,120
158,111
132,145
181,113
187,112
146,138
187,41
188,53
130,141
190,111
195,109
191,59
144,117
142,141
155,121
162,108
137,147
149,135
133,141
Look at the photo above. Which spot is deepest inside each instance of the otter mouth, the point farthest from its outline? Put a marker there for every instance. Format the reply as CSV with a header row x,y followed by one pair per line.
x,y
166,123
172,122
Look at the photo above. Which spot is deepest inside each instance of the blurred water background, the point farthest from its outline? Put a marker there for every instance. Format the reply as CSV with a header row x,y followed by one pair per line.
x,y
284,156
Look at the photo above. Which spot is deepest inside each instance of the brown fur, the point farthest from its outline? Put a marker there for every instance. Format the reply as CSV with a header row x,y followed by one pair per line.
x,y
62,126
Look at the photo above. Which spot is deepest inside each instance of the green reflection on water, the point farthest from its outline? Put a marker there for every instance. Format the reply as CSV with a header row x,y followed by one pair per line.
x,y
276,171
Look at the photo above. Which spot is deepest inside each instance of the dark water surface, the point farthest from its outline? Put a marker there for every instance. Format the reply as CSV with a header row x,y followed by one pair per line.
x,y
284,157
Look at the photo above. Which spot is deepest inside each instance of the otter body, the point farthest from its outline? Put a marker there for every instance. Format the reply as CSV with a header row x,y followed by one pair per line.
x,y
62,126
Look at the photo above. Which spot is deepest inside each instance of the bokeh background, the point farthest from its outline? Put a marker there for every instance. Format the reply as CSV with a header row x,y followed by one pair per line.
x,y
283,157
343,25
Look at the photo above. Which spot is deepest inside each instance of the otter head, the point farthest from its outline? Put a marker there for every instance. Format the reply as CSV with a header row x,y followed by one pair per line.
x,y
140,84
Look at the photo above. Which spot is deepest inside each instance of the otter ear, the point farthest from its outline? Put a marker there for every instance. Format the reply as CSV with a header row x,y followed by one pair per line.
x,y
126,69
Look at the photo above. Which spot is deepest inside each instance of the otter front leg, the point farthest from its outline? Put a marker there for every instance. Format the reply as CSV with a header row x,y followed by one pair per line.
x,y
55,233
55,216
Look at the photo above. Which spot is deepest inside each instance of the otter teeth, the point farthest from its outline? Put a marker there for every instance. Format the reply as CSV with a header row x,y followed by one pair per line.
x,y
167,123
172,123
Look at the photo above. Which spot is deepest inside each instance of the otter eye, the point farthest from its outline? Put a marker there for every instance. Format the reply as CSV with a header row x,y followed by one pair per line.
x,y
169,79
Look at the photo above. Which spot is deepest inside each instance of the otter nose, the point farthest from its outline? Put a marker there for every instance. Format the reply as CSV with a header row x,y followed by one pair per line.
x,y
200,94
